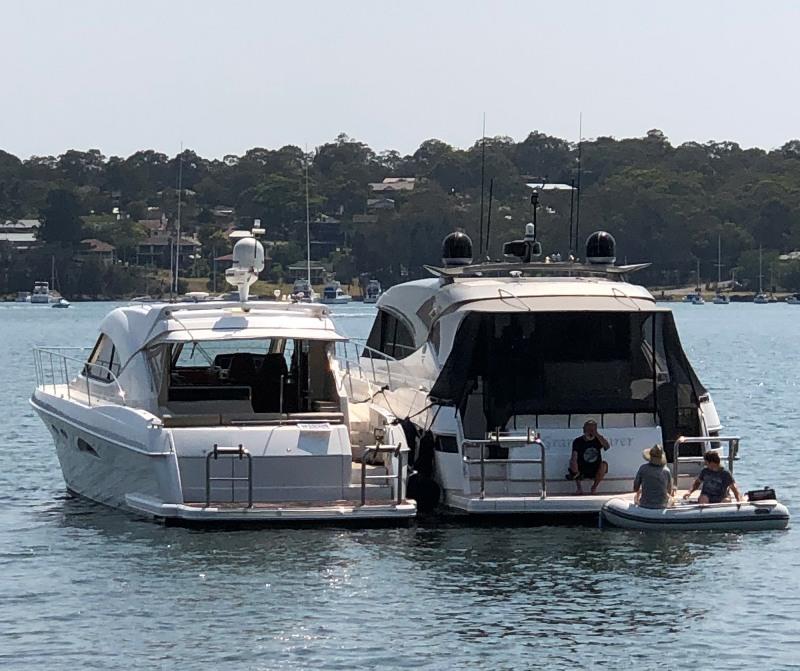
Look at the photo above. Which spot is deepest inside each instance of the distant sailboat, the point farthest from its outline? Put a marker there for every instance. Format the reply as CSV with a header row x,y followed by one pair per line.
x,y
720,298
697,298
761,298
303,291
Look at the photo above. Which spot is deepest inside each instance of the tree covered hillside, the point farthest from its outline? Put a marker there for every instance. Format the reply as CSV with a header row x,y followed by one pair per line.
x,y
666,204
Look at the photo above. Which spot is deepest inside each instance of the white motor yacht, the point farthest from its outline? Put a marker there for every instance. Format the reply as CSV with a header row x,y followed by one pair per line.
x,y
722,299
373,292
303,292
333,294
221,411
42,294
794,299
497,366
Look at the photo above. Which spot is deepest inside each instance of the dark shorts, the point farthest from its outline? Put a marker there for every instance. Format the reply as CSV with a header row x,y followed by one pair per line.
x,y
588,471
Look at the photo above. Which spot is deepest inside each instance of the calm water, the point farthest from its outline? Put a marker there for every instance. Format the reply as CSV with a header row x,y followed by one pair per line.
x,y
83,587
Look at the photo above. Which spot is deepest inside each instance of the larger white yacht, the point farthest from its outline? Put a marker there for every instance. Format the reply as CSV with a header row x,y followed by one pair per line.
x,y
496,366
221,412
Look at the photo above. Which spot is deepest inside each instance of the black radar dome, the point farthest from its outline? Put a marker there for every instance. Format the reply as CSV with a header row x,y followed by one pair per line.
x,y
456,249
601,248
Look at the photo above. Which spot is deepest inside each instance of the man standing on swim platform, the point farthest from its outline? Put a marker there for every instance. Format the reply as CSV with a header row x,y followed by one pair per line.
x,y
587,460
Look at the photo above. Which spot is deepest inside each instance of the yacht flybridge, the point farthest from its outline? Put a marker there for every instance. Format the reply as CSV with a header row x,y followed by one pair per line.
x,y
497,366
230,411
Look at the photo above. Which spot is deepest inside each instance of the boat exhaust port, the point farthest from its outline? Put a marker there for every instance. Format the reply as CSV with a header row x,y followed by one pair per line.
x,y
231,453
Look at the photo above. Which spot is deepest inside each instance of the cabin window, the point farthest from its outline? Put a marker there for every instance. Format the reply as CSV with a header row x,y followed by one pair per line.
x,y
103,362
390,335
268,374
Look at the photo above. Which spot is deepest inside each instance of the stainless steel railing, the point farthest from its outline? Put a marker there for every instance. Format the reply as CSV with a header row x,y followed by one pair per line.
x,y
731,456
495,439
232,453
53,367
360,361
394,450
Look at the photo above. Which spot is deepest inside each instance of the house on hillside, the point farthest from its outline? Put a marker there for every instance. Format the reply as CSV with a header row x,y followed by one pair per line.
x,y
381,203
393,185
224,215
327,234
299,271
157,251
21,234
365,218
91,248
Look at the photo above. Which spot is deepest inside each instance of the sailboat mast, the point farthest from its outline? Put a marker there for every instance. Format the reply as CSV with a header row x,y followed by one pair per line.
x,y
308,232
178,246
760,273
719,260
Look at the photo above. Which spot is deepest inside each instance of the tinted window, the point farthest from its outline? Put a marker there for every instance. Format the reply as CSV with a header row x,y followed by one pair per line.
x,y
104,360
390,336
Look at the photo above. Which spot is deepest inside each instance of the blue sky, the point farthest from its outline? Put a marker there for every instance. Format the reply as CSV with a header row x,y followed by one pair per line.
x,y
225,76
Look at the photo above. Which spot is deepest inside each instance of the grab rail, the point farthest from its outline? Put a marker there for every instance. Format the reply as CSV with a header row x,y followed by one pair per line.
x,y
383,449
498,440
240,453
732,456
65,369
382,369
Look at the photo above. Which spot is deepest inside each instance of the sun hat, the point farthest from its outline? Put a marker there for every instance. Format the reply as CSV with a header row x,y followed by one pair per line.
x,y
655,455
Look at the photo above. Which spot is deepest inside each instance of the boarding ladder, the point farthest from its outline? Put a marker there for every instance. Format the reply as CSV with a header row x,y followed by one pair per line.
x,y
497,440
231,453
379,448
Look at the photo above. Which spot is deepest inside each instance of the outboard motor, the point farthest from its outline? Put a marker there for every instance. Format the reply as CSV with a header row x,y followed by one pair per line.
x,y
456,250
601,248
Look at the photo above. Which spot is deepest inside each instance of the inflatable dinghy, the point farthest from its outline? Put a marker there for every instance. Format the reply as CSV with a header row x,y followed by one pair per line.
x,y
745,516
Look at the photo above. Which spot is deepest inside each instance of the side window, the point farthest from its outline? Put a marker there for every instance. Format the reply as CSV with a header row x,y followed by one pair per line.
x,y
391,336
103,361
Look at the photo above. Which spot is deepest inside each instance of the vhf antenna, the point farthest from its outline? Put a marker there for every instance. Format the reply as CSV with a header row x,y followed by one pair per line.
x,y
578,204
489,219
483,168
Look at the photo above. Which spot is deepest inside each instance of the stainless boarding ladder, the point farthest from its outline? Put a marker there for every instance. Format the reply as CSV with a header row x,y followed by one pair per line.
x,y
731,457
496,439
378,448
231,452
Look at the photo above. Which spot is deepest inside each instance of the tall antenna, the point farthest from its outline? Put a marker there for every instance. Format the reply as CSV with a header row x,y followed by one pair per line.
x,y
571,208
483,167
578,204
308,231
489,218
180,192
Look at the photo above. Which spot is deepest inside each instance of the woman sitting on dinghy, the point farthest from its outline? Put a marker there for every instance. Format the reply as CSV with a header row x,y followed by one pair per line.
x,y
715,482
653,481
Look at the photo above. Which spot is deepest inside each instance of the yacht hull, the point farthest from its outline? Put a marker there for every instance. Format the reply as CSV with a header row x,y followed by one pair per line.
x,y
142,472
105,469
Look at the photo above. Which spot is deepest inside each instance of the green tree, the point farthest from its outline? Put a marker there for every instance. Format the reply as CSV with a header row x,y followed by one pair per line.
x,y
62,220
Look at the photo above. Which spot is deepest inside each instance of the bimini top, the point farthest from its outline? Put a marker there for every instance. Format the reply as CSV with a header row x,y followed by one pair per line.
x,y
134,327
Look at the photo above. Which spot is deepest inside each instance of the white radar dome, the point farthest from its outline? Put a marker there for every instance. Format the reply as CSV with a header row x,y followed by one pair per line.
x,y
248,262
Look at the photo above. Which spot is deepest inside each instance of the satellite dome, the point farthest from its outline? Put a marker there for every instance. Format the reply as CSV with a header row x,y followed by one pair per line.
x,y
456,249
601,248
